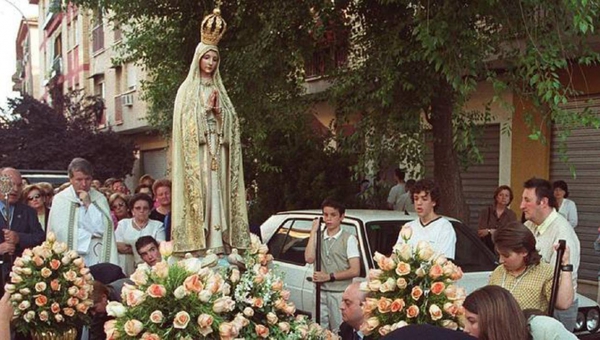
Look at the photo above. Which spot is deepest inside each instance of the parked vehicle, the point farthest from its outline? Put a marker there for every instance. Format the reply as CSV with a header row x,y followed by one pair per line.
x,y
54,177
287,234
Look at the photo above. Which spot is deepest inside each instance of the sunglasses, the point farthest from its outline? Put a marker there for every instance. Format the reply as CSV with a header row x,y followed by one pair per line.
x,y
118,205
34,197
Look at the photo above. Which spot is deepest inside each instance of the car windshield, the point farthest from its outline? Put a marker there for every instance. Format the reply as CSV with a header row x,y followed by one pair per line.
x,y
471,254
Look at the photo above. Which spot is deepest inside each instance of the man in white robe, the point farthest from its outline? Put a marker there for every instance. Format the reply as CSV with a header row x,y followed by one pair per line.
x,y
80,216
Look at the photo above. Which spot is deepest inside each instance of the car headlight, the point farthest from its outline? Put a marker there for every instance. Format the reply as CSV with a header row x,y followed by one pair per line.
x,y
592,320
580,321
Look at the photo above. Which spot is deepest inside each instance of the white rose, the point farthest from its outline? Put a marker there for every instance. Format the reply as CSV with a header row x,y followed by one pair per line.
x,y
115,309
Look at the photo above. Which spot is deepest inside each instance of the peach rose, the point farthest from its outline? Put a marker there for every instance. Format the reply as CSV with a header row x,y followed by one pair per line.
x,y
223,304
435,312
55,285
436,271
437,288
69,311
397,305
284,327
451,292
227,331
369,305
403,268
55,264
388,286
55,308
156,290
249,312
46,272
161,269
38,261
404,251
369,325
384,305
139,277
272,318
26,271
78,262
375,274
412,311
133,327
193,283
40,287
401,283
43,315
71,275
285,294
235,275
374,285
181,320
59,318
205,321
451,308
290,308
387,263
258,302
156,316
72,301
41,300
110,330
82,307
134,297
277,285
150,336
416,293
383,331
262,331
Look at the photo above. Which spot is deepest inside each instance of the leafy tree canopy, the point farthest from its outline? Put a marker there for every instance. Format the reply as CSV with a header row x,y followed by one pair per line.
x,y
35,136
408,60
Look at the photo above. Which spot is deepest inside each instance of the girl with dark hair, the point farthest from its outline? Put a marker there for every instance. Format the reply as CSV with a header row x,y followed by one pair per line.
x,y
524,275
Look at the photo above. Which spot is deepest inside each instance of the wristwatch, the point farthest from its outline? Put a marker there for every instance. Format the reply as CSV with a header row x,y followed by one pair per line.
x,y
567,268
332,277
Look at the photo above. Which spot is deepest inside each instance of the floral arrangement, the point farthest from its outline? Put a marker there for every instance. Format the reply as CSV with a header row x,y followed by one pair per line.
x,y
50,288
190,300
412,286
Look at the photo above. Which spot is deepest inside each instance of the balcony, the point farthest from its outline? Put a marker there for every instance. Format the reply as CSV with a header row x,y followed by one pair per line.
x,y
57,67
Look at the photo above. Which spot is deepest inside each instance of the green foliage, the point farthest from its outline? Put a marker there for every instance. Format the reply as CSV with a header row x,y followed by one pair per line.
x,y
34,136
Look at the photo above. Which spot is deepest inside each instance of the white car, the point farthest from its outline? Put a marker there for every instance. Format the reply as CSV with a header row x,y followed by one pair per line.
x,y
287,234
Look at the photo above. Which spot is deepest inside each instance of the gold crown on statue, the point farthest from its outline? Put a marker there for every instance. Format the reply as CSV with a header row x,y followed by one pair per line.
x,y
213,27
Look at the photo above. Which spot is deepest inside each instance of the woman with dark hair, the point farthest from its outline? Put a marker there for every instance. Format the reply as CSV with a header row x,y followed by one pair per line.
x,y
524,275
130,229
496,216
565,206
34,197
492,313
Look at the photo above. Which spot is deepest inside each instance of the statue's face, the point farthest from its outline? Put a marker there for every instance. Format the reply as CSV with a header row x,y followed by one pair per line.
x,y
209,63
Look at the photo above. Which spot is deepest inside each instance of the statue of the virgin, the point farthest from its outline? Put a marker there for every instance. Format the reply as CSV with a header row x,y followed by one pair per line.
x,y
208,204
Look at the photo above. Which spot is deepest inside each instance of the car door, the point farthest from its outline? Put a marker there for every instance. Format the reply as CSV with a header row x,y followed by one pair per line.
x,y
287,246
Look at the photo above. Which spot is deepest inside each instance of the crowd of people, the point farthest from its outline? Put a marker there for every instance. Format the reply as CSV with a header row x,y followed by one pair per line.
x,y
109,227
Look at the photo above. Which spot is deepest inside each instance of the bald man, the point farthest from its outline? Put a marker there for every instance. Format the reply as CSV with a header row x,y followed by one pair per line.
x,y
25,230
352,314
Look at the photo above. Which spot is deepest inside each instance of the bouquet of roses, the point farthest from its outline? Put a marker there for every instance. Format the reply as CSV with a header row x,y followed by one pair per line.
x,y
188,300
412,286
263,301
50,288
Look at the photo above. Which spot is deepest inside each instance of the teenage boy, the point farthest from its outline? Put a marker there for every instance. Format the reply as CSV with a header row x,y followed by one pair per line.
x,y
148,249
430,226
340,262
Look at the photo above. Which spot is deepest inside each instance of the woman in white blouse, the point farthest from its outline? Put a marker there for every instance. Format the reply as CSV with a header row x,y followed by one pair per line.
x,y
565,206
130,229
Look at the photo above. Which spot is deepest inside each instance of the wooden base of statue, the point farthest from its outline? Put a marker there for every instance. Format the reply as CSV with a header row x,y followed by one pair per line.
x,y
71,334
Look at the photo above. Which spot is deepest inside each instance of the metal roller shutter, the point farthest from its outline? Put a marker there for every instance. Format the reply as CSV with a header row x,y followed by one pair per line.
x,y
480,180
154,163
583,151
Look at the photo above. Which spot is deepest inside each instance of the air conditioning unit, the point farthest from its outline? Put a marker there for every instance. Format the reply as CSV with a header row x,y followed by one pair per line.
x,y
127,99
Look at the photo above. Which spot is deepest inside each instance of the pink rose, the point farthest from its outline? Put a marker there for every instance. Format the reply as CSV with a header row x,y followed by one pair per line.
x,y
133,327
72,301
82,307
55,285
55,264
38,261
156,291
437,288
375,274
181,320
55,308
156,316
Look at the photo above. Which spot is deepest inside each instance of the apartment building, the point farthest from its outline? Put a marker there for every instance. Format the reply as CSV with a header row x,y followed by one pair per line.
x,y
26,78
75,49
